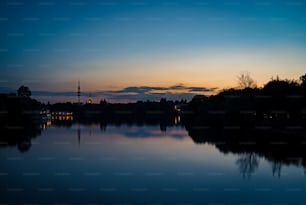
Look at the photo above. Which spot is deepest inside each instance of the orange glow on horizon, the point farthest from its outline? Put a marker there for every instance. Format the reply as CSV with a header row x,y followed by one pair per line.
x,y
201,68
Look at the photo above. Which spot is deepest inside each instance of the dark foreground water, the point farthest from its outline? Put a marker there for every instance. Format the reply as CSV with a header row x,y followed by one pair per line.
x,y
140,165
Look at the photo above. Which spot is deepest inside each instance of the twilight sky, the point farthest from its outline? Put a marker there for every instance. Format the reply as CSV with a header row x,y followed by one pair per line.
x,y
146,49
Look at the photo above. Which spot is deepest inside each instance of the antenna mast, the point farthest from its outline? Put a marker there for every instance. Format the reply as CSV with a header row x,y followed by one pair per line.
x,y
79,92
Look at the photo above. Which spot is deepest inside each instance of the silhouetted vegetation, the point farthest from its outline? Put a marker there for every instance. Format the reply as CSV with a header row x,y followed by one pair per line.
x,y
246,81
278,103
20,119
24,91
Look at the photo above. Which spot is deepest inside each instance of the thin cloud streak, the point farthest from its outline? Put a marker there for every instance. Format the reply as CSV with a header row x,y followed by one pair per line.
x,y
132,93
148,89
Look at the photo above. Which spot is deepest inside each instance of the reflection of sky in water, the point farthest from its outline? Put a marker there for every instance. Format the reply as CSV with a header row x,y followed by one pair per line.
x,y
138,165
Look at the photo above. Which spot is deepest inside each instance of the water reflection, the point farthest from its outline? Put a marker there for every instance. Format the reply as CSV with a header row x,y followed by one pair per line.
x,y
139,163
19,133
247,164
279,147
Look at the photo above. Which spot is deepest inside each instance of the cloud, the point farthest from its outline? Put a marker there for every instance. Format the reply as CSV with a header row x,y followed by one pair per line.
x,y
160,90
4,89
178,87
151,96
139,89
59,93
51,93
201,89
132,93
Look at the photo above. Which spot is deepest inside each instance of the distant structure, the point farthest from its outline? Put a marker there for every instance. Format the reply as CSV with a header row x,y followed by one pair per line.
x,y
79,134
79,92
89,100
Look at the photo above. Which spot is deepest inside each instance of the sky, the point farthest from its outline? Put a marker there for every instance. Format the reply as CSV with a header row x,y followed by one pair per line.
x,y
127,50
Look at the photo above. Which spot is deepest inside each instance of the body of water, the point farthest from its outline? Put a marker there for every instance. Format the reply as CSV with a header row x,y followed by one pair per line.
x,y
130,164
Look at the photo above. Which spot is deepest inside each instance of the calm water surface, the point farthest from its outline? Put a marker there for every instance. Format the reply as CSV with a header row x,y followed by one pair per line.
x,y
140,165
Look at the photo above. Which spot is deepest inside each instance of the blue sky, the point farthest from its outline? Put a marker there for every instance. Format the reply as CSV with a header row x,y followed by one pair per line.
x,y
111,45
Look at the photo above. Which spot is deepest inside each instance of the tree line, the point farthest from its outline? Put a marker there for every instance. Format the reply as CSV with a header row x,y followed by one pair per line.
x,y
279,100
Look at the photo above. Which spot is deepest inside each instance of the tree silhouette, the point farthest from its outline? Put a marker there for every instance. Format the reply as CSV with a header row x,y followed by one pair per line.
x,y
303,79
247,163
279,87
303,87
24,145
246,81
24,91
276,168
303,84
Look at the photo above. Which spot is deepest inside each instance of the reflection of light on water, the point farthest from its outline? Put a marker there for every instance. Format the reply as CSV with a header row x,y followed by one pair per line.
x,y
49,123
45,125
79,134
177,120
62,113
62,116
